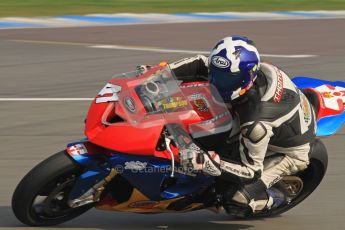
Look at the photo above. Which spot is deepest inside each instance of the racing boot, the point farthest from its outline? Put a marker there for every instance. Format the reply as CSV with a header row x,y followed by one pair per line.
x,y
249,199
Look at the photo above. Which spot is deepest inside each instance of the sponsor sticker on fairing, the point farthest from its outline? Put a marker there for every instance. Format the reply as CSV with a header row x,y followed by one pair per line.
x,y
145,204
333,97
135,165
186,86
109,93
199,102
76,150
130,105
216,118
172,103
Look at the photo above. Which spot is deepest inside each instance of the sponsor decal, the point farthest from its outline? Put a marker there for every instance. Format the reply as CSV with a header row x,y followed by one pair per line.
x,y
194,85
76,150
306,109
108,93
216,118
130,105
278,94
199,101
227,167
220,62
201,105
340,93
327,94
135,165
145,204
196,96
172,102
331,91
333,97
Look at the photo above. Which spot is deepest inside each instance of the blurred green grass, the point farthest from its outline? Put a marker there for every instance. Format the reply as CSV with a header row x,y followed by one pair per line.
x,y
80,7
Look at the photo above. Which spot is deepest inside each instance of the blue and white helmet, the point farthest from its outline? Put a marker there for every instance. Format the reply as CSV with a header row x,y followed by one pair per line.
x,y
233,65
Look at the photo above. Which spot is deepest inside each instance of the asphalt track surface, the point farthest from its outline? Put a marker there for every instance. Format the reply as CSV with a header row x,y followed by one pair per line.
x,y
66,66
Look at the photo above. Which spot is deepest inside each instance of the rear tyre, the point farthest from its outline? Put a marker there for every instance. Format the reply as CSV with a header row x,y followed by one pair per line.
x,y
311,178
40,198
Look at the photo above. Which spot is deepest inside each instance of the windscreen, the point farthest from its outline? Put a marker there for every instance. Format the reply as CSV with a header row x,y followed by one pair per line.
x,y
159,98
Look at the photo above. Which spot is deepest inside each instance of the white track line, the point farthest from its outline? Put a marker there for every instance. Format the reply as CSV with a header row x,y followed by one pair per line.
x,y
152,49
159,50
289,56
46,99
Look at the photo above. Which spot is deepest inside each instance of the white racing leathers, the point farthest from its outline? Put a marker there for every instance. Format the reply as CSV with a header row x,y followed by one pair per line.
x,y
275,118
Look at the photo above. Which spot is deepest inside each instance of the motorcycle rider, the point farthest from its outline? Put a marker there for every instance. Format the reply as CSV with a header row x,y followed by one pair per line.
x,y
275,118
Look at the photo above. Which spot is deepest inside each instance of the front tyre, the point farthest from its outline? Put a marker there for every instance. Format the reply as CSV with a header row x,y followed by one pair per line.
x,y
40,198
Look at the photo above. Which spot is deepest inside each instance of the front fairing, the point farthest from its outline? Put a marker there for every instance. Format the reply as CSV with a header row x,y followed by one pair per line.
x,y
129,113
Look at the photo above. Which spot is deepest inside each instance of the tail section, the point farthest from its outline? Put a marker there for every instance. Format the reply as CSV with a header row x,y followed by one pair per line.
x,y
328,99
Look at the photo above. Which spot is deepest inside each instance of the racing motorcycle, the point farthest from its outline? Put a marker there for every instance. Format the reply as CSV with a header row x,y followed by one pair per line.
x,y
129,160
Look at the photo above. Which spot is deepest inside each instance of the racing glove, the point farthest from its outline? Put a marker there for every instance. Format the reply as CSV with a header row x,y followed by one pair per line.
x,y
192,156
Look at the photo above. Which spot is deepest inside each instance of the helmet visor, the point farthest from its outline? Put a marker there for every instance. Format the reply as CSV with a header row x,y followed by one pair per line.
x,y
224,81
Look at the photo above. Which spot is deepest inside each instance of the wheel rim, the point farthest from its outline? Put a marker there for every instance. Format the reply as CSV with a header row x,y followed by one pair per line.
x,y
50,202
311,179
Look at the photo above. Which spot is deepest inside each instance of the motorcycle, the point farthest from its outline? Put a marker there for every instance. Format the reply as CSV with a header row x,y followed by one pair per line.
x,y
129,161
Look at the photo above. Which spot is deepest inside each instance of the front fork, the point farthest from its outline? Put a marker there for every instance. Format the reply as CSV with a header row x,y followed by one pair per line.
x,y
97,173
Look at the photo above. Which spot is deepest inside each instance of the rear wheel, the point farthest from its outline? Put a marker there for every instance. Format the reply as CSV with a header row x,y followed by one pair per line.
x,y
40,199
311,178
296,188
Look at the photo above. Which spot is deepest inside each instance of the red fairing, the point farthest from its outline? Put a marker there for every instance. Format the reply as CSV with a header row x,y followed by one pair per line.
x,y
121,136
125,135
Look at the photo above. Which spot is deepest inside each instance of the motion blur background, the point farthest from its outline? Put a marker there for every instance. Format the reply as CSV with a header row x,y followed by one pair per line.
x,y
61,62
64,7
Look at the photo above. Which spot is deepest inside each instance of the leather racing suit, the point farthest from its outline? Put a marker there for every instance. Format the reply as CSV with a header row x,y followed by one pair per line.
x,y
275,119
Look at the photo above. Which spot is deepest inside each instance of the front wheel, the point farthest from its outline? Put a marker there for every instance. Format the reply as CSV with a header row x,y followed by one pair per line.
x,y
40,198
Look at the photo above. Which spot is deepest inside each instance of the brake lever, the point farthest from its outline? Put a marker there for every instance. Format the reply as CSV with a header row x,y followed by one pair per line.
x,y
167,144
